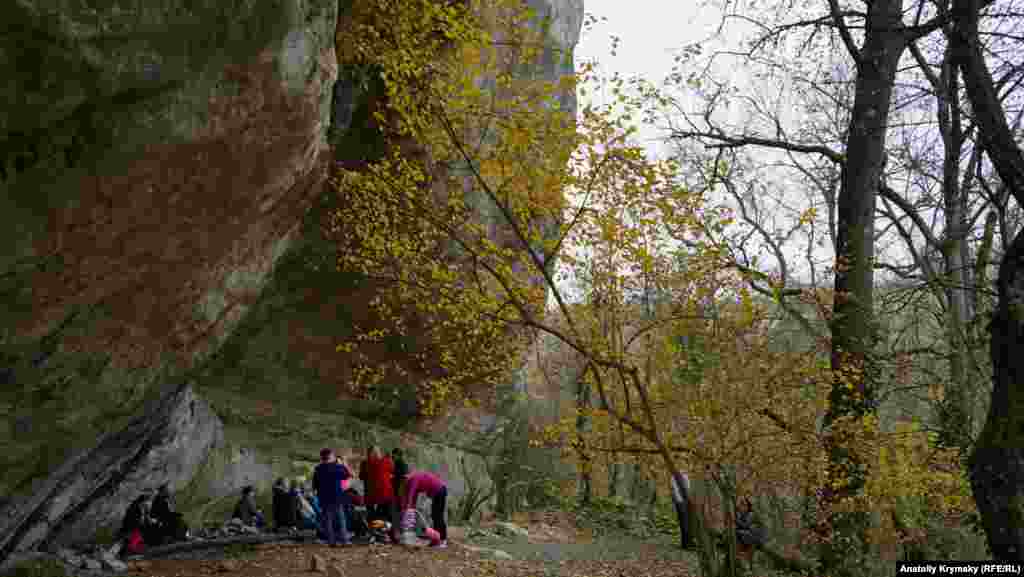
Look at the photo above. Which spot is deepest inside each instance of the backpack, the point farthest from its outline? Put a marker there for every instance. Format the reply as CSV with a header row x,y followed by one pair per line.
x,y
135,544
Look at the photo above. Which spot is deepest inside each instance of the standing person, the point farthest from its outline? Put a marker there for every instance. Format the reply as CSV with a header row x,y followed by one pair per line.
x,y
380,495
401,469
422,482
347,504
680,498
364,474
327,479
399,472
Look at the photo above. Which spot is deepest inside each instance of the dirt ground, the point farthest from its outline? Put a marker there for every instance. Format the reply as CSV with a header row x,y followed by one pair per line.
x,y
554,547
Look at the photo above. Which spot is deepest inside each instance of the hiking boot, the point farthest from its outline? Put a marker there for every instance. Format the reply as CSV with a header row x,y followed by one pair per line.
x,y
441,545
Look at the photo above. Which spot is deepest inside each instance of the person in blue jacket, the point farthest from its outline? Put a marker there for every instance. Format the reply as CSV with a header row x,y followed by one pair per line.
x,y
328,479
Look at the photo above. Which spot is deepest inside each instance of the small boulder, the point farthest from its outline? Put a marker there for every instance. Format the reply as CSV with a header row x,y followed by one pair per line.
x,y
93,564
510,530
480,534
317,564
228,566
501,555
70,558
115,549
114,564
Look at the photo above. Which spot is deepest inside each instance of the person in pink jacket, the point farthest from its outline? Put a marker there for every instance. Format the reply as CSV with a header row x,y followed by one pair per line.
x,y
422,482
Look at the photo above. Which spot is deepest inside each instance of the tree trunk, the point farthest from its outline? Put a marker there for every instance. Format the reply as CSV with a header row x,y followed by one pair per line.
x,y
956,409
583,404
997,462
853,331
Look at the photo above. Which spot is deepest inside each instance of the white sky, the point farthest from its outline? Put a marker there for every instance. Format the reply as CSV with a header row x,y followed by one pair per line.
x,y
650,33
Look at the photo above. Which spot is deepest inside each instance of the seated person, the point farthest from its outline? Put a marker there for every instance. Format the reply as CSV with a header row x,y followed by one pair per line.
x,y
171,523
135,524
285,508
246,509
750,534
356,513
306,513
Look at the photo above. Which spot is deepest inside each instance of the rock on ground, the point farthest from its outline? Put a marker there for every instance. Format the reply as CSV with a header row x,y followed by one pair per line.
x,y
511,530
317,564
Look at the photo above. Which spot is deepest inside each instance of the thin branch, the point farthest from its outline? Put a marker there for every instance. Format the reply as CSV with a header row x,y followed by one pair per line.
x,y
736,142
844,32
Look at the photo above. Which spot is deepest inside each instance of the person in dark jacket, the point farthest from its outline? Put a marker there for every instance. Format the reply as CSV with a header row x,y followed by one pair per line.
x,y
163,505
285,507
171,524
750,532
400,471
328,479
136,517
246,509
364,471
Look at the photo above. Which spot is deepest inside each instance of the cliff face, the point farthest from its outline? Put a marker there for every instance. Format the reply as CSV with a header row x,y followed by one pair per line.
x,y
155,165
161,190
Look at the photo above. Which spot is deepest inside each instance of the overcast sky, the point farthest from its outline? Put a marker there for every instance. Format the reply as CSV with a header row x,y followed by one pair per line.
x,y
650,30
651,33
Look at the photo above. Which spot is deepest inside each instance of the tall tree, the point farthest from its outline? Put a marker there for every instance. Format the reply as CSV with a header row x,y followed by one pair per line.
x,y
884,39
997,463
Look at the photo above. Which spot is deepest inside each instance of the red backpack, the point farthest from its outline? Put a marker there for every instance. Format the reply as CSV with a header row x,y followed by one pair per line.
x,y
135,543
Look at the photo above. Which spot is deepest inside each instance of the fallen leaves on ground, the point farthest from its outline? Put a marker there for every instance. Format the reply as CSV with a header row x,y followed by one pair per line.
x,y
280,560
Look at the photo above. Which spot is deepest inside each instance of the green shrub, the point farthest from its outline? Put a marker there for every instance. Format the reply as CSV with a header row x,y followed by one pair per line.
x,y
38,568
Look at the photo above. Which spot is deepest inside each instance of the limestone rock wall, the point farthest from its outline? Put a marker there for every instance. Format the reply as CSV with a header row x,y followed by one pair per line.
x,y
155,160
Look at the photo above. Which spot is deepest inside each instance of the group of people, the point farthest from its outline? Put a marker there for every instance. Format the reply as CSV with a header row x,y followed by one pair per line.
x,y
390,489
334,508
152,521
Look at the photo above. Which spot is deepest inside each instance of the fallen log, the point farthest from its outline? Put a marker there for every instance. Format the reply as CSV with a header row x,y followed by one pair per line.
x,y
199,544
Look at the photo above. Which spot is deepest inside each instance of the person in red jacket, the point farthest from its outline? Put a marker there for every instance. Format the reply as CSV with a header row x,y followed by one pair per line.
x,y
380,494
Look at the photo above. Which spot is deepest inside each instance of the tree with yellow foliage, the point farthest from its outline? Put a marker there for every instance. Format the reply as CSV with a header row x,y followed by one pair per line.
x,y
489,194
